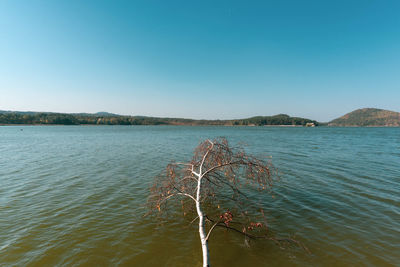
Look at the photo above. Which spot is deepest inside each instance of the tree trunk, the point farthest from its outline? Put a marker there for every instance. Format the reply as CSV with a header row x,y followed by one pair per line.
x,y
204,243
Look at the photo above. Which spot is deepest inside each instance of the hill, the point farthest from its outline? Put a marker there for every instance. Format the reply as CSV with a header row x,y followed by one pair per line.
x,y
104,118
368,117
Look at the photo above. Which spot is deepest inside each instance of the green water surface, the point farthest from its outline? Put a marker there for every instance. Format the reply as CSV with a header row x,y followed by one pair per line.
x,y
75,196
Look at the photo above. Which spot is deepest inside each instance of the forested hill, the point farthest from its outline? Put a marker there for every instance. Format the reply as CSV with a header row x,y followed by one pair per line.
x,y
103,118
368,117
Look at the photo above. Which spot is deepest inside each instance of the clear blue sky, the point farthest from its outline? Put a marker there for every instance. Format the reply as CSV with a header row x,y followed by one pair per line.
x,y
200,59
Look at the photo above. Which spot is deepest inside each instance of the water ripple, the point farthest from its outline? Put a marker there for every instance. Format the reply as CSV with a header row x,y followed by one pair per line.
x,y
75,196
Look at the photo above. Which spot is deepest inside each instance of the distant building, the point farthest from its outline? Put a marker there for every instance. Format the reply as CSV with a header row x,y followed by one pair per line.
x,y
310,124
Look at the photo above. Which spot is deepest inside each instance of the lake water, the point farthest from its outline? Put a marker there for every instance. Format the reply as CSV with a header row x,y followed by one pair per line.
x,y
75,196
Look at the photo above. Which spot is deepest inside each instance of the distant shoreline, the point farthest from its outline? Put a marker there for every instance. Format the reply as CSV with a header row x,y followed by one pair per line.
x,y
194,125
366,117
40,118
206,125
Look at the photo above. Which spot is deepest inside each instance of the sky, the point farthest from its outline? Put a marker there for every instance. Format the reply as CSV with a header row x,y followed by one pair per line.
x,y
200,59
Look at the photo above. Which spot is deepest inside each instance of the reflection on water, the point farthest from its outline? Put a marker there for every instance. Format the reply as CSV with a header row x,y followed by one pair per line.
x,y
75,196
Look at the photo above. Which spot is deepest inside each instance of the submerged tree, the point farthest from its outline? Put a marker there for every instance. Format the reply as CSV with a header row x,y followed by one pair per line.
x,y
217,184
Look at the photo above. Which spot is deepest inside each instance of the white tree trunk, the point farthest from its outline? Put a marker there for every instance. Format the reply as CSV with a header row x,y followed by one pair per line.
x,y
203,237
204,245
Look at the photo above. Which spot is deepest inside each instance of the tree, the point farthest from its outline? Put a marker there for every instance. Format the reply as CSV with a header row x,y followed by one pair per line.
x,y
216,185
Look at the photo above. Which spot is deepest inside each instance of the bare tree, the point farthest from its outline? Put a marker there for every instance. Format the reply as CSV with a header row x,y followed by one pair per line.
x,y
219,184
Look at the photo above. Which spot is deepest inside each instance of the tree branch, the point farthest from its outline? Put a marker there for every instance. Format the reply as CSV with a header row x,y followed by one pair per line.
x,y
194,220
204,158
189,177
212,228
219,166
184,194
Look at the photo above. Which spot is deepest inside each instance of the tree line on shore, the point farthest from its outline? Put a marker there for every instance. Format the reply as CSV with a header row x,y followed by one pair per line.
x,y
43,118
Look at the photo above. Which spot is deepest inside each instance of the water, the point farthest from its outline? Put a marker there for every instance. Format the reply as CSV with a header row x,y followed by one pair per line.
x,y
74,196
